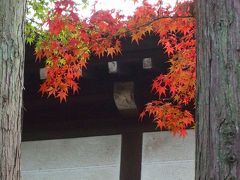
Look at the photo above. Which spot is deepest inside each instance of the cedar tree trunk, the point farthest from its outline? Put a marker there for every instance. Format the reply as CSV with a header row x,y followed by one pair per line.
x,y
12,45
218,96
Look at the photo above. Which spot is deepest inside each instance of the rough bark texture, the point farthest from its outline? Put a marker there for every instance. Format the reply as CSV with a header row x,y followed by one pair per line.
x,y
218,100
11,86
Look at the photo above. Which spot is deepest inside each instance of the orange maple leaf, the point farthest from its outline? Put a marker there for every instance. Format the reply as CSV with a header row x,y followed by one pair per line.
x,y
110,51
136,37
62,95
148,29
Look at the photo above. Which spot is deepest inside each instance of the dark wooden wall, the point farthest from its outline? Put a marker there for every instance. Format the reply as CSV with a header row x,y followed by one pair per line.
x,y
92,111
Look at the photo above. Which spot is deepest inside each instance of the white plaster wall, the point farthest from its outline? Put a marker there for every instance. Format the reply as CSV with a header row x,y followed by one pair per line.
x,y
164,157
91,158
168,157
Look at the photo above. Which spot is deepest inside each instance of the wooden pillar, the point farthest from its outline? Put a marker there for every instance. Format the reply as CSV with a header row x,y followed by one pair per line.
x,y
131,156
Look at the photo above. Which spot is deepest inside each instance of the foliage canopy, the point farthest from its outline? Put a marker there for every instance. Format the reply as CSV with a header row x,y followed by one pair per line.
x,y
67,41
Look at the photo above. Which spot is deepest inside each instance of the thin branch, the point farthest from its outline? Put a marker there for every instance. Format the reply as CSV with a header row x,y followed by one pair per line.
x,y
163,17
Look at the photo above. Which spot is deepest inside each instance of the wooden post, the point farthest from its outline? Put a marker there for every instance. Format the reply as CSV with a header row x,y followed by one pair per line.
x,y
131,156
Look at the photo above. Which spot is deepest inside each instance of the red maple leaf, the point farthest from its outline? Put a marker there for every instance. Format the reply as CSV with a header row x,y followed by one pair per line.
x,y
183,132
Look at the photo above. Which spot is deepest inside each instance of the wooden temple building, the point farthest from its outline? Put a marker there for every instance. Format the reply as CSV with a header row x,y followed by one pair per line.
x,y
96,134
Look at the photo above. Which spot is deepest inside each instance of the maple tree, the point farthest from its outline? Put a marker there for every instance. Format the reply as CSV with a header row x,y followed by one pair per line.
x,y
69,41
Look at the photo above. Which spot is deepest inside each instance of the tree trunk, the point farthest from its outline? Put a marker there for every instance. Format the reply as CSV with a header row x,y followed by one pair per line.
x,y
218,97
12,14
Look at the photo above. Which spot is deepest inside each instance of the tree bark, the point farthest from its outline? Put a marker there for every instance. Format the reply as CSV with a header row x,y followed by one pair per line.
x,y
218,96
12,15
